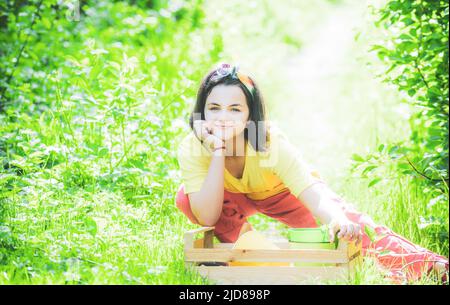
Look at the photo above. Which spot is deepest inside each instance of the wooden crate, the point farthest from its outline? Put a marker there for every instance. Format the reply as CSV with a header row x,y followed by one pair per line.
x,y
210,260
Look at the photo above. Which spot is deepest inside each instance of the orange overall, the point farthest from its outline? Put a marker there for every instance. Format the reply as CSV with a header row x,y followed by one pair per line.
x,y
402,259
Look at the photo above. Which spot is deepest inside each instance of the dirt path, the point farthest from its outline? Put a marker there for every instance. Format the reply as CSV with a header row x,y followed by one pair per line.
x,y
321,94
324,97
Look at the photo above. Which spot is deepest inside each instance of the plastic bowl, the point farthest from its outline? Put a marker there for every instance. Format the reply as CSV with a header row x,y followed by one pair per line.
x,y
308,235
310,238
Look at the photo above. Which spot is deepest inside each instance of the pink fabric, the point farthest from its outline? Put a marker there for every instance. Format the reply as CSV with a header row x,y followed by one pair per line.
x,y
399,258
237,207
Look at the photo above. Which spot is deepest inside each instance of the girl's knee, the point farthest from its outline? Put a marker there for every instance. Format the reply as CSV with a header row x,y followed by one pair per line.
x,y
183,204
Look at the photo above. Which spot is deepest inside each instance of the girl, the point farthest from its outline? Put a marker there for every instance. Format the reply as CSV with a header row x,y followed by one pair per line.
x,y
235,164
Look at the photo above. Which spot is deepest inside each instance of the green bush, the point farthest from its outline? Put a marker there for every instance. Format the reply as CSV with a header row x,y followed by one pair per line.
x,y
91,109
415,52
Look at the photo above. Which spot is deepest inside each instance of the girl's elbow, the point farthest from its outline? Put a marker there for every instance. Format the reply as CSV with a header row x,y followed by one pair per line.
x,y
206,217
208,222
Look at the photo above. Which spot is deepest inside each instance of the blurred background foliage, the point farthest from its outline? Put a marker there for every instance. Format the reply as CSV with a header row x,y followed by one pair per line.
x,y
414,49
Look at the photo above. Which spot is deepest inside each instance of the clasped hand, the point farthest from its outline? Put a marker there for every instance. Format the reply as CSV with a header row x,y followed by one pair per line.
x,y
346,230
205,132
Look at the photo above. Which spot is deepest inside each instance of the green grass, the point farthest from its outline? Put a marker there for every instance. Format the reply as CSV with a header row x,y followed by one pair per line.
x,y
89,176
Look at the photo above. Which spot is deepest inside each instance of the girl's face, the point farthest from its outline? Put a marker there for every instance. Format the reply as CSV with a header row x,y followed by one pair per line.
x,y
227,111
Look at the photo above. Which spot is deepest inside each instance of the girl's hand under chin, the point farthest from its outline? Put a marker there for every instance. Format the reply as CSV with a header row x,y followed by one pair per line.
x,y
224,134
205,132
230,131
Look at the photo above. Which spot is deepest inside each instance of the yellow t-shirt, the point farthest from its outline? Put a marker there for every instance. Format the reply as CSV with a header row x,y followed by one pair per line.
x,y
265,173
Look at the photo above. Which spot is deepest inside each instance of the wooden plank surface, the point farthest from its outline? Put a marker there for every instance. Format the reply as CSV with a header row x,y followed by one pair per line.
x,y
282,255
271,275
354,253
281,245
208,239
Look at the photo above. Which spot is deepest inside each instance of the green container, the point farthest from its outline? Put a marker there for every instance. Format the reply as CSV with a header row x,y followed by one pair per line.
x,y
309,235
310,238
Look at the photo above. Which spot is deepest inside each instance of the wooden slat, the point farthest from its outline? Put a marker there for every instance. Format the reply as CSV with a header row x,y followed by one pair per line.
x,y
281,245
200,230
223,245
208,239
282,255
189,237
199,243
355,257
206,242
350,248
271,275
353,253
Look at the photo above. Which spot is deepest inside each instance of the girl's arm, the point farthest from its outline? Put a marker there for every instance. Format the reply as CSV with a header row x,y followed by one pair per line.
x,y
317,199
206,204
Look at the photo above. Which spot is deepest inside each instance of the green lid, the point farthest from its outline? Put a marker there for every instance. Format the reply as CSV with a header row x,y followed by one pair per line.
x,y
308,235
311,235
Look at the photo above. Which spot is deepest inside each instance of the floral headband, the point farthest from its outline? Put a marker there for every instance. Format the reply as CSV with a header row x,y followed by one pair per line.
x,y
225,69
